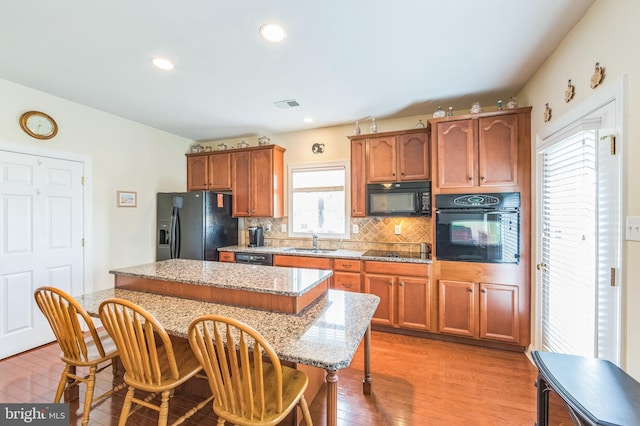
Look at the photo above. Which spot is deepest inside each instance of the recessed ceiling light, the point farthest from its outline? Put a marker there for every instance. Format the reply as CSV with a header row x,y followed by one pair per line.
x,y
162,63
272,32
308,120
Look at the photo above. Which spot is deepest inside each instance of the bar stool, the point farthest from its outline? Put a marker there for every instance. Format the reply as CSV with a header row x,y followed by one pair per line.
x,y
152,361
247,390
67,320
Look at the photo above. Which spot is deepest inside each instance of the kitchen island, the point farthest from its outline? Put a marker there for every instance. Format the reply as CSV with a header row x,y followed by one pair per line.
x,y
325,334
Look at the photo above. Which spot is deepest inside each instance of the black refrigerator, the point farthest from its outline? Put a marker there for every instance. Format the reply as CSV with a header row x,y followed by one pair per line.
x,y
192,225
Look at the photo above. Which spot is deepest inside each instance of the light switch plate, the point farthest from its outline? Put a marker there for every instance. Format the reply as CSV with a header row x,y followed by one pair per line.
x,y
355,229
632,228
283,227
397,230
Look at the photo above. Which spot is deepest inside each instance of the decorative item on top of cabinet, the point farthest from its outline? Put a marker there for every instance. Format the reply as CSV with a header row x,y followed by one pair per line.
x,y
257,175
480,150
405,294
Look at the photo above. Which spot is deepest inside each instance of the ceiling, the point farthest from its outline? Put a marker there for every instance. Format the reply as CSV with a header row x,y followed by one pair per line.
x,y
341,60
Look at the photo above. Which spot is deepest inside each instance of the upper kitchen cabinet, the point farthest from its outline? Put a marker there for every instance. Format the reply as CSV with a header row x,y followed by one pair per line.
x,y
358,178
482,150
257,177
398,156
392,156
209,172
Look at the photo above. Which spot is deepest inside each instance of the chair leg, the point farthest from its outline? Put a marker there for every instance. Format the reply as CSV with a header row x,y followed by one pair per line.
x,y
88,397
61,384
126,406
306,415
164,409
220,421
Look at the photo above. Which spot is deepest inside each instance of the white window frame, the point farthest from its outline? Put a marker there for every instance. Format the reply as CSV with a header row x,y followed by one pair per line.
x,y
347,197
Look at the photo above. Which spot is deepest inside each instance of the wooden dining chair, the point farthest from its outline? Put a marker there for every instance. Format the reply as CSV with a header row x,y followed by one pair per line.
x,y
246,389
152,362
90,349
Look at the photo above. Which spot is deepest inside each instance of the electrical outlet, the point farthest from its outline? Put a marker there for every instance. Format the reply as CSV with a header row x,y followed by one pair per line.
x,y
283,227
268,227
397,230
355,229
632,228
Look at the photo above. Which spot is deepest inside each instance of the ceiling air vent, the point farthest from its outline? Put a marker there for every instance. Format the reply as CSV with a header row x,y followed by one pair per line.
x,y
289,103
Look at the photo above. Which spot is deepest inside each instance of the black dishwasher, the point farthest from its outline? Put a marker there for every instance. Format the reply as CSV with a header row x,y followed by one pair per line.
x,y
255,258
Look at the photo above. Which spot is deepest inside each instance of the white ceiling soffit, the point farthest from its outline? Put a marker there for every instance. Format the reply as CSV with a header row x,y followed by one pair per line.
x,y
340,60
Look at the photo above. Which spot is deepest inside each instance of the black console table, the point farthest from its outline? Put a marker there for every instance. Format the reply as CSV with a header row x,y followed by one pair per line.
x,y
596,391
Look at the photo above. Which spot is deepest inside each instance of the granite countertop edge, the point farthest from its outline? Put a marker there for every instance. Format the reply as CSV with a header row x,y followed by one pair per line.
x,y
334,254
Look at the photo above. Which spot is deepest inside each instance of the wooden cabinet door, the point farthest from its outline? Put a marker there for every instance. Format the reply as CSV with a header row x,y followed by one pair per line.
x,y
220,171
413,157
456,308
414,299
241,183
358,179
197,173
456,154
499,312
383,287
382,159
498,150
262,183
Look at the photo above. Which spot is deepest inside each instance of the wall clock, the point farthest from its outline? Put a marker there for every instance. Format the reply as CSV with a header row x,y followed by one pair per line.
x,y
38,125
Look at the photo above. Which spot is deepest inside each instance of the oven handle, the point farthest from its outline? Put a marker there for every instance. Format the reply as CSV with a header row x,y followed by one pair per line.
x,y
475,210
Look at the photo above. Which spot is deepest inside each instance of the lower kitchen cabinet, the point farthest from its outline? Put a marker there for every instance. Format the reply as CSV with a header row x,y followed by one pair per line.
x,y
479,310
404,290
227,256
347,275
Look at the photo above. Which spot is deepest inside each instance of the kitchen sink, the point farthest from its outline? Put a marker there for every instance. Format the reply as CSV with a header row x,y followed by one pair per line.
x,y
308,250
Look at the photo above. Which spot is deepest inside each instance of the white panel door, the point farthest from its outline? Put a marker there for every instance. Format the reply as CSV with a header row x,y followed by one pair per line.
x,y
41,231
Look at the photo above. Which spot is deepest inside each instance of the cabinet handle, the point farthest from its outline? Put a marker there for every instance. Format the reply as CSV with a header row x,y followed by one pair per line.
x,y
470,290
390,283
402,173
483,290
401,283
393,174
346,285
482,178
470,178
345,265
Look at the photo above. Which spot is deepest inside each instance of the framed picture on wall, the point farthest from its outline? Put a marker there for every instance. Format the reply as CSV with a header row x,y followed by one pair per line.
x,y
127,198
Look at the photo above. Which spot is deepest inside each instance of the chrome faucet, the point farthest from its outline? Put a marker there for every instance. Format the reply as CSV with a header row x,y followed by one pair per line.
x,y
314,244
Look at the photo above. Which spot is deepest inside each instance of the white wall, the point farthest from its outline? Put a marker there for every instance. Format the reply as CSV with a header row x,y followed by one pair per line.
x,y
608,34
123,155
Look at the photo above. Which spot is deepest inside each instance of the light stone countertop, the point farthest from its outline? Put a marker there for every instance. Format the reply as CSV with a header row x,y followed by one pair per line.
x,y
333,254
326,334
255,278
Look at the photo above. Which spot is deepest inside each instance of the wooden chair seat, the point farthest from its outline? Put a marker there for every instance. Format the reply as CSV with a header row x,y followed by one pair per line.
x,y
152,361
79,349
248,389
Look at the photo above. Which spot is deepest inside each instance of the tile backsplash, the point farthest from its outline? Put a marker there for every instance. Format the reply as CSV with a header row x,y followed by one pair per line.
x,y
377,233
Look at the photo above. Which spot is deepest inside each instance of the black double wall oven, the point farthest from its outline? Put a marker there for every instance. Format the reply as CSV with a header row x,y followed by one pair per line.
x,y
478,227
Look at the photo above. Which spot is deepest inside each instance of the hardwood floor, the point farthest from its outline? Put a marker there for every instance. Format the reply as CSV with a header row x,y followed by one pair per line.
x,y
415,382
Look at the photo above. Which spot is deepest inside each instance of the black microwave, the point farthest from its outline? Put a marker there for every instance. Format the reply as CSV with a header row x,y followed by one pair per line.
x,y
399,199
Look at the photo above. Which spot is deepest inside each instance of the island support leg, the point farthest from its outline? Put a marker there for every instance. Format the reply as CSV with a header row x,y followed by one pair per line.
x,y
366,382
543,401
332,397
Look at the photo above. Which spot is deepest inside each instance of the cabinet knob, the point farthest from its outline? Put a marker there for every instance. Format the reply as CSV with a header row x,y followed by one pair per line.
x,y
390,283
482,178
470,290
483,290
401,283
470,178
393,174
402,173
